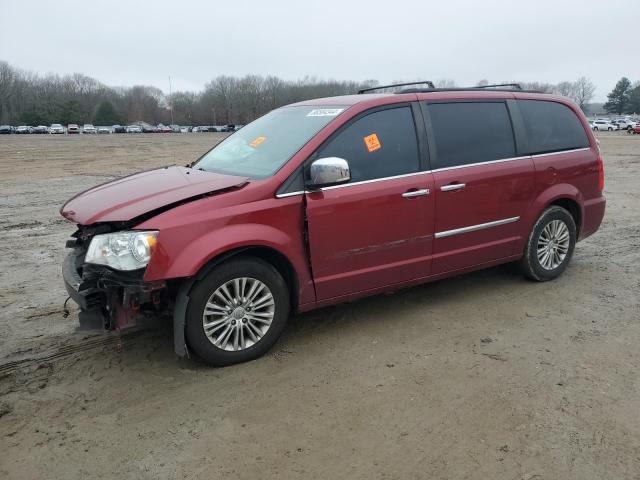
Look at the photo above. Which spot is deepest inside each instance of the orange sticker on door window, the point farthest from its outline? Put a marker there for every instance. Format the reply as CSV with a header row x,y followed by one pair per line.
x,y
372,142
257,142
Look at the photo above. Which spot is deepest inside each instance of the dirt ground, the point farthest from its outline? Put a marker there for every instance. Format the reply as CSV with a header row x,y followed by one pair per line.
x,y
481,376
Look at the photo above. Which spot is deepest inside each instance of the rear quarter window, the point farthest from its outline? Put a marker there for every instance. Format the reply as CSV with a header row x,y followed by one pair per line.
x,y
552,127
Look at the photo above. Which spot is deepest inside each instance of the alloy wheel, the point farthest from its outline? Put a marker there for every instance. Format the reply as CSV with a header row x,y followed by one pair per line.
x,y
553,244
238,314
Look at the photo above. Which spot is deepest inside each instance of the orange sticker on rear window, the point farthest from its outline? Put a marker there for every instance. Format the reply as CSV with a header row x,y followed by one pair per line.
x,y
257,142
372,142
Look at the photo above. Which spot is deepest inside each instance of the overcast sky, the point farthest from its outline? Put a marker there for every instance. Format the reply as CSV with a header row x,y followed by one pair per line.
x,y
135,42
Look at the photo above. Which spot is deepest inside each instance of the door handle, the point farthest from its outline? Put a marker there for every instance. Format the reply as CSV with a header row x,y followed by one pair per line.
x,y
452,186
416,193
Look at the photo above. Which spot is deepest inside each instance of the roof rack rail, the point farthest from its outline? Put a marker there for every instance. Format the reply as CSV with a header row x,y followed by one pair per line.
x,y
428,82
516,86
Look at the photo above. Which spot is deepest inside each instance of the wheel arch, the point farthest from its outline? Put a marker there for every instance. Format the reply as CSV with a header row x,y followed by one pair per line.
x,y
563,195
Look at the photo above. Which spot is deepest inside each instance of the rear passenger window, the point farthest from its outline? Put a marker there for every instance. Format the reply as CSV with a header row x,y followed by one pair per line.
x,y
380,144
472,132
551,127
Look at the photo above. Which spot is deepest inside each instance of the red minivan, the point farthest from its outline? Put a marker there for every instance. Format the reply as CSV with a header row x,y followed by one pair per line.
x,y
329,200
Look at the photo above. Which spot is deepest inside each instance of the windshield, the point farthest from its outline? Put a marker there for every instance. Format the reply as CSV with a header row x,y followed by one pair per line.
x,y
260,148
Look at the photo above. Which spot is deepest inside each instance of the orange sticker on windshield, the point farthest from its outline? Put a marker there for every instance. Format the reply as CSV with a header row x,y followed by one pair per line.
x,y
257,142
372,142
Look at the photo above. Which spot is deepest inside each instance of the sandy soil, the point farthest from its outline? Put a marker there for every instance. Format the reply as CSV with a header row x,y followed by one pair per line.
x,y
481,376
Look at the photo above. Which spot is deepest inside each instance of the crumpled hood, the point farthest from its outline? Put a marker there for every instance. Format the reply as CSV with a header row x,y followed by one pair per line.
x,y
129,197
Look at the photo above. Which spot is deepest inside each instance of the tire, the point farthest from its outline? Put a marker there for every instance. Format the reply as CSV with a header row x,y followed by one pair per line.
x,y
595,129
240,322
610,129
531,265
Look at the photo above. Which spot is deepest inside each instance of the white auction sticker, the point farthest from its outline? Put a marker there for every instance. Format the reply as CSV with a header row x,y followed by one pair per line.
x,y
325,112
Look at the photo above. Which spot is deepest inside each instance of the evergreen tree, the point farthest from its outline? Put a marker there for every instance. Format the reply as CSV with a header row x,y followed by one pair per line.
x,y
619,97
634,99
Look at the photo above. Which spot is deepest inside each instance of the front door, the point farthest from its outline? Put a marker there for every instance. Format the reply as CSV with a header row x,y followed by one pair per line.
x,y
376,230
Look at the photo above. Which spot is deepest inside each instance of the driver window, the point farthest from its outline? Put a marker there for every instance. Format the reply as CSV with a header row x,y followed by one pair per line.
x,y
378,145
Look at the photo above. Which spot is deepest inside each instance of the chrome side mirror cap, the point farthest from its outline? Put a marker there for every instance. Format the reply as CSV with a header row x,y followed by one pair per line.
x,y
328,171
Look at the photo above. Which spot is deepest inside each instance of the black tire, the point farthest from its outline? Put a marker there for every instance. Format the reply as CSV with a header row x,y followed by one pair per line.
x,y
237,267
530,265
610,129
595,129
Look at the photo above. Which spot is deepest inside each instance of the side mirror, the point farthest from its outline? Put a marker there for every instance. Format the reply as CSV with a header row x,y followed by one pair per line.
x,y
328,171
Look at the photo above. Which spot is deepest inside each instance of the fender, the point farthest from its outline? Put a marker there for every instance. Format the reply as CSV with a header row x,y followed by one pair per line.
x,y
545,198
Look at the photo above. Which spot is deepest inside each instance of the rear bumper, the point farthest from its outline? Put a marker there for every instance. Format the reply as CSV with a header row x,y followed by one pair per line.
x,y
593,213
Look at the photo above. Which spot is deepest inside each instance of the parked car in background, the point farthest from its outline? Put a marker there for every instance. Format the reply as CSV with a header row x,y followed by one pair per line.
x,y
88,128
222,242
24,129
6,129
634,130
184,129
40,129
73,128
175,128
134,129
164,129
103,130
626,124
56,129
119,129
603,125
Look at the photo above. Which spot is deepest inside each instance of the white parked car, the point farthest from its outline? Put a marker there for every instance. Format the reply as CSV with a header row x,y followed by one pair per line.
x,y
104,129
626,124
56,128
603,125
134,129
88,128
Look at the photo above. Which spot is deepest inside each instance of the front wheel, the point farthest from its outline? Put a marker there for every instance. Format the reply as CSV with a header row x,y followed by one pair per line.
x,y
237,311
550,245
610,129
595,129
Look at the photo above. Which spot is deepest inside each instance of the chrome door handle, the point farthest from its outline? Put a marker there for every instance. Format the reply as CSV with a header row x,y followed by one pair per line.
x,y
416,193
452,187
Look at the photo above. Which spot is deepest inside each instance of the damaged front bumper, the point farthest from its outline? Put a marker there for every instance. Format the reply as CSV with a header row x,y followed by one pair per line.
x,y
117,297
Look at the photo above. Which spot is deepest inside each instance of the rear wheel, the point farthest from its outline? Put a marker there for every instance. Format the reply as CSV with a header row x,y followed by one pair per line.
x,y
550,245
237,311
610,129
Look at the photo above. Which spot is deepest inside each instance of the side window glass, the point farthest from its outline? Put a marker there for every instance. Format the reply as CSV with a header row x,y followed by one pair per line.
x,y
552,127
378,145
471,132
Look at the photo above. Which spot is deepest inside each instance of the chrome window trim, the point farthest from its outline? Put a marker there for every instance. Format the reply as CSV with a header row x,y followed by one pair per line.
x,y
443,169
473,228
490,162
583,149
373,180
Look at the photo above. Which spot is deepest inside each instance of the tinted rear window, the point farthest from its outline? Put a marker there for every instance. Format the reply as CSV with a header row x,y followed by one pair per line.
x,y
552,127
472,132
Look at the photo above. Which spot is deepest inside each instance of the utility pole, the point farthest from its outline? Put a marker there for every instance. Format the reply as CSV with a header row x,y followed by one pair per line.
x,y
170,100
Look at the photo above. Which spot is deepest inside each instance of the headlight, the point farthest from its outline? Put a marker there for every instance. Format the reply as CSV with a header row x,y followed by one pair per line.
x,y
122,250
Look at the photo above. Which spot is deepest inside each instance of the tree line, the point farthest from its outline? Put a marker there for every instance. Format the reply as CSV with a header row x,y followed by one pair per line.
x,y
32,99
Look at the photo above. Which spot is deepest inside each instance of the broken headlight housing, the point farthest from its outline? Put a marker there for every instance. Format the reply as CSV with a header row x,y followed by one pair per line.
x,y
122,250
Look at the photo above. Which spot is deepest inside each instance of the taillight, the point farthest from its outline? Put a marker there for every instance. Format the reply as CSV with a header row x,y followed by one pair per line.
x,y
600,174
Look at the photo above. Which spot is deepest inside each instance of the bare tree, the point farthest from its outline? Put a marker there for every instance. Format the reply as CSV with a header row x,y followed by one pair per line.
x,y
584,90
